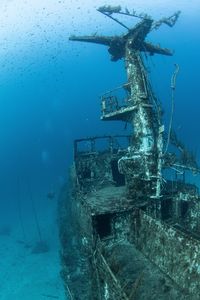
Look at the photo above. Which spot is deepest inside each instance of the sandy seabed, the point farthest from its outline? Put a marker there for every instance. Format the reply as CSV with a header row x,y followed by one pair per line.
x,y
25,275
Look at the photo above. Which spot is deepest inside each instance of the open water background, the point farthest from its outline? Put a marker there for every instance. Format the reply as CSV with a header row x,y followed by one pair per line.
x,y
50,87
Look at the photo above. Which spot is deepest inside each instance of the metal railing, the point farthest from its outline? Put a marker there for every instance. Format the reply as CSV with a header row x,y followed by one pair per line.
x,y
98,144
115,99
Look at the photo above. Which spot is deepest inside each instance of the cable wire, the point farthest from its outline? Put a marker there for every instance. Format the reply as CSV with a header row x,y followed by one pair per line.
x,y
173,86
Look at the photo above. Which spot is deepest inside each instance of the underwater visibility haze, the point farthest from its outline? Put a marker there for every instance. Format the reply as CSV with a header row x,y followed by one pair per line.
x,y
49,91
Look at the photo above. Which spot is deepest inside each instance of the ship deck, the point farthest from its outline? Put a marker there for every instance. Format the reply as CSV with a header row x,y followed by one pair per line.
x,y
141,278
110,199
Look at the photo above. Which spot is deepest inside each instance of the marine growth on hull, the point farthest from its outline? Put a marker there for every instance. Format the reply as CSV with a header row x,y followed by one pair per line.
x,y
126,230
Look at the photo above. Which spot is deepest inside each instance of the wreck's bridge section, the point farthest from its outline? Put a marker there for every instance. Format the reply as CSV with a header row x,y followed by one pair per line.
x,y
110,222
140,107
96,160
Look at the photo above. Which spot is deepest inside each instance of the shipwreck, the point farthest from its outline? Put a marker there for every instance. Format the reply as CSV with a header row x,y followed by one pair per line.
x,y
127,229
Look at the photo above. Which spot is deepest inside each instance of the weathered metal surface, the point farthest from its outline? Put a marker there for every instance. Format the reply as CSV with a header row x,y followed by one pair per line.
x,y
176,253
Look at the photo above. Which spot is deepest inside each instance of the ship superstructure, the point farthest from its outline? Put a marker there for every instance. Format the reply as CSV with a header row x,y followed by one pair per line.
x,y
126,231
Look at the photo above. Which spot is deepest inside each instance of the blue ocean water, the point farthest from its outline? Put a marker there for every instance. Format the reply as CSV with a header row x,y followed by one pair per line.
x,y
50,88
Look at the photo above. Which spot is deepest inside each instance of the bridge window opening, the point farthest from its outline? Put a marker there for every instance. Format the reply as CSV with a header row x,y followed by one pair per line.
x,y
103,225
184,208
86,174
118,178
166,209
